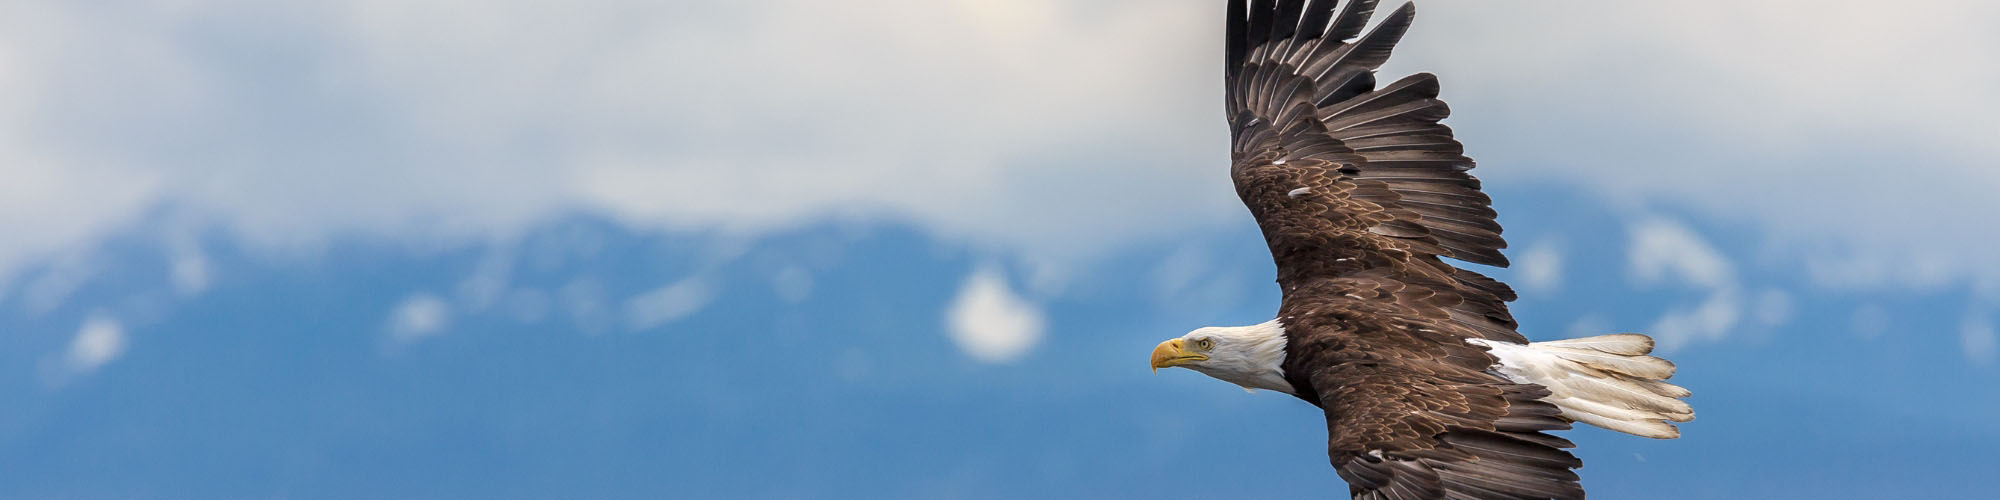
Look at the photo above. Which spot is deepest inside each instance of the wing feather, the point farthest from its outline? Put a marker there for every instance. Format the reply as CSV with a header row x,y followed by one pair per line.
x,y
1361,194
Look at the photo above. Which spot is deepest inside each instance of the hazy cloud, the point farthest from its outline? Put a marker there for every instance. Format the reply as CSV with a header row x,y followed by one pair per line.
x,y
99,341
188,267
793,284
1187,281
1539,268
1665,252
1627,98
53,287
667,304
388,123
584,299
1977,338
1049,129
418,316
1180,270
1773,307
489,280
1707,322
990,322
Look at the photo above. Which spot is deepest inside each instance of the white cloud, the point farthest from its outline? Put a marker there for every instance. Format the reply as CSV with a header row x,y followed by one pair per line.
x,y
667,304
1663,250
418,316
54,285
1047,128
1540,267
1977,338
1710,321
188,267
63,186
489,280
1734,119
100,341
1666,252
782,126
1669,253
989,322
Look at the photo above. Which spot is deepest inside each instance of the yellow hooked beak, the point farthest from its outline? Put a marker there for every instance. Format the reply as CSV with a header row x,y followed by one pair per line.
x,y
1174,353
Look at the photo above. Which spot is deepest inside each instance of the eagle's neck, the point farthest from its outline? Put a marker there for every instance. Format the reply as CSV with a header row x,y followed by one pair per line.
x,y
1257,360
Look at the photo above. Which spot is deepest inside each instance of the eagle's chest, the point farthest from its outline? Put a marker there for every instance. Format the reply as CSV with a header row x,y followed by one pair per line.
x,y
1300,381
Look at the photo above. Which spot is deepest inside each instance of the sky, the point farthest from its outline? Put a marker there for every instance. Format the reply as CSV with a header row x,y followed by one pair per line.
x,y
918,249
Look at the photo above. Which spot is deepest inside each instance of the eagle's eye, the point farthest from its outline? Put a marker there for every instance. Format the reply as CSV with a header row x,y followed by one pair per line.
x,y
1205,344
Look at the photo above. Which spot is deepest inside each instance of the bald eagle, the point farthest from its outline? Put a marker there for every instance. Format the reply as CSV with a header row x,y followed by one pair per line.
x,y
1428,390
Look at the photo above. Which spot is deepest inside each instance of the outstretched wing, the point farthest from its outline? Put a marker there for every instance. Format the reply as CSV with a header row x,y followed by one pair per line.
x,y
1361,194
1344,177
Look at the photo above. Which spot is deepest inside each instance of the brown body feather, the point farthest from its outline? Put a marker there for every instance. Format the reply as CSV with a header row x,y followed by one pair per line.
x,y
1361,194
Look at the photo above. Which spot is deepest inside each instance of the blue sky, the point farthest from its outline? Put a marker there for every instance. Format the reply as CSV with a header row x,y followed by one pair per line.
x,y
440,249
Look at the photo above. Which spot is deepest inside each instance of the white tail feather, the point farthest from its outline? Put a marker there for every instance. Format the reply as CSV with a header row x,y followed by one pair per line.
x,y
1630,344
1608,381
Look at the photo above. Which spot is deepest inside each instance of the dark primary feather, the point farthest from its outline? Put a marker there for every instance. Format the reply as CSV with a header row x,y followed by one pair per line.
x,y
1353,16
1361,195
1389,168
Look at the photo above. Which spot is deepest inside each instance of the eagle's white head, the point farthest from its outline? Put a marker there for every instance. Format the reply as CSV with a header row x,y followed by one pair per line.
x,y
1250,356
